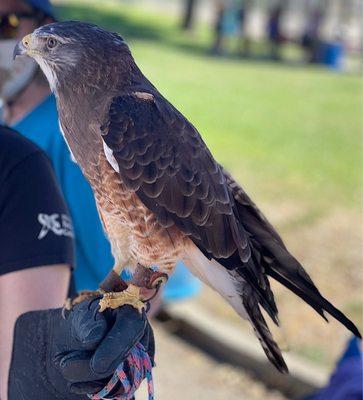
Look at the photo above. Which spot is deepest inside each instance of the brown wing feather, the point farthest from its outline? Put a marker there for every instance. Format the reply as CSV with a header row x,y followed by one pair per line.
x,y
162,157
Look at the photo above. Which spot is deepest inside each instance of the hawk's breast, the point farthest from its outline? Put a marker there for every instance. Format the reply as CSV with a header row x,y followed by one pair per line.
x,y
134,232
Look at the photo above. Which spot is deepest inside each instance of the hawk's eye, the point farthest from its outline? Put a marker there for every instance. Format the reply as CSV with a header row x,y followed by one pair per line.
x,y
51,43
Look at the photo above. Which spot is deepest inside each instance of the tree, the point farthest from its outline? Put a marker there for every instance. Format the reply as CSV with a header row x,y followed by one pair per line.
x,y
188,14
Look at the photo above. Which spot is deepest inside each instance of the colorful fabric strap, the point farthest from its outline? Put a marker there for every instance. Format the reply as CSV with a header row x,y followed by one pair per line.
x,y
139,366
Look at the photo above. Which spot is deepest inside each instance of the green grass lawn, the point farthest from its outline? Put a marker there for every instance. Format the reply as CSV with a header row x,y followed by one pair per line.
x,y
286,132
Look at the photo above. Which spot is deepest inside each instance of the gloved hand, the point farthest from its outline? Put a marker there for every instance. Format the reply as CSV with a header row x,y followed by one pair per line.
x,y
56,358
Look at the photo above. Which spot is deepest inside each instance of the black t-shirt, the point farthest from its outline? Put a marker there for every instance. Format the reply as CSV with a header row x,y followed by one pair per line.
x,y
35,227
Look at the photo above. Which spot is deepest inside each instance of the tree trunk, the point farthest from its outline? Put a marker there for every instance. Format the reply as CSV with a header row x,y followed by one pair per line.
x,y
189,13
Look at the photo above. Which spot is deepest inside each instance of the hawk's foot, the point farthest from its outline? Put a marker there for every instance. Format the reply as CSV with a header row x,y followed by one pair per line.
x,y
130,296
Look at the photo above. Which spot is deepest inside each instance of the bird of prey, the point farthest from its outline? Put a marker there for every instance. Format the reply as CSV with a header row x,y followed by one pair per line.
x,y
161,195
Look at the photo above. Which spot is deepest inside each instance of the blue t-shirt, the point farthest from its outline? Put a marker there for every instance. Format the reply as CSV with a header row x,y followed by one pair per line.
x,y
346,382
93,252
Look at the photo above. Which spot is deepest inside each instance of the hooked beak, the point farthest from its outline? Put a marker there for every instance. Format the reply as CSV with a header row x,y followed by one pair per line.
x,y
22,48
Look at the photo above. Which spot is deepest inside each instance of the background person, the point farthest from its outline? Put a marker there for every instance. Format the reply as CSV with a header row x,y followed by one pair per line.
x,y
219,14
36,239
29,107
274,30
243,42
311,41
346,381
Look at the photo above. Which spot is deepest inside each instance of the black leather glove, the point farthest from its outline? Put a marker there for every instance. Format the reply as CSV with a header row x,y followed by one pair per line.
x,y
56,358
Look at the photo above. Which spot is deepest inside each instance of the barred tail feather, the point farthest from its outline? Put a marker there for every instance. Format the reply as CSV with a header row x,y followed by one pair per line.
x,y
243,298
270,347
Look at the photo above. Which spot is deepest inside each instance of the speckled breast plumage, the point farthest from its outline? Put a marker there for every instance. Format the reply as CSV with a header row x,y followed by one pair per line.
x,y
134,233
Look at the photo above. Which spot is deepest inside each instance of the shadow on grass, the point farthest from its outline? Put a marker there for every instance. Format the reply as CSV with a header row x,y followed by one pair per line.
x,y
115,22
158,30
131,28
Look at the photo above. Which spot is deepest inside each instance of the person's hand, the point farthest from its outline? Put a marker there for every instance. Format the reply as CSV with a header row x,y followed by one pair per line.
x,y
100,342
70,358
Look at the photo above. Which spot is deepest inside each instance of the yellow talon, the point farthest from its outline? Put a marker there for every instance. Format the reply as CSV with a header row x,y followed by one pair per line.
x,y
130,296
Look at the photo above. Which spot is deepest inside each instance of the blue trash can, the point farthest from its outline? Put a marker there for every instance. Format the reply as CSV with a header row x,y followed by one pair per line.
x,y
332,55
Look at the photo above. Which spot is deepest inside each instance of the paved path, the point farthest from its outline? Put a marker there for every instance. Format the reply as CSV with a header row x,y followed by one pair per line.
x,y
184,373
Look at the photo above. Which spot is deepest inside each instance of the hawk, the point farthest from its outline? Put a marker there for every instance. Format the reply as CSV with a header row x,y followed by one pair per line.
x,y
161,195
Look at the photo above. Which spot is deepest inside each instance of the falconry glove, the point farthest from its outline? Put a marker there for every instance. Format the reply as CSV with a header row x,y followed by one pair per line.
x,y
80,356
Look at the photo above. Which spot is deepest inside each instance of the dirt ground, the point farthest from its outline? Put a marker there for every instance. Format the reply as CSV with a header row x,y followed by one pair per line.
x,y
184,373
330,248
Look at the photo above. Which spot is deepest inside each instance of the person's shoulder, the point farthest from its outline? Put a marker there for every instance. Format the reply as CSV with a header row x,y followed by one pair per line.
x,y
14,149
14,146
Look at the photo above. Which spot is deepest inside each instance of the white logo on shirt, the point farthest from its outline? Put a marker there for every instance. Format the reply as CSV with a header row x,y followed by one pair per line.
x,y
59,224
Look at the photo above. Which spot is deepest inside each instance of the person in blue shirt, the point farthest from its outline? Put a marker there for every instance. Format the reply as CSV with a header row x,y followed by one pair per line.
x,y
346,381
30,108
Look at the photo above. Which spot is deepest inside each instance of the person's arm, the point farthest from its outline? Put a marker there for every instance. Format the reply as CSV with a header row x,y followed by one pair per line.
x,y
36,246
25,290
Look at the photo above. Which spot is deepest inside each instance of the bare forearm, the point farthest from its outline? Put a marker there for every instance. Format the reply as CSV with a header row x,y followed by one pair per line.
x,y
26,290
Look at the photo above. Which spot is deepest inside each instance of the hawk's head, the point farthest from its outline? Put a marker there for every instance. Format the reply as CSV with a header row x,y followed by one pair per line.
x,y
72,50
